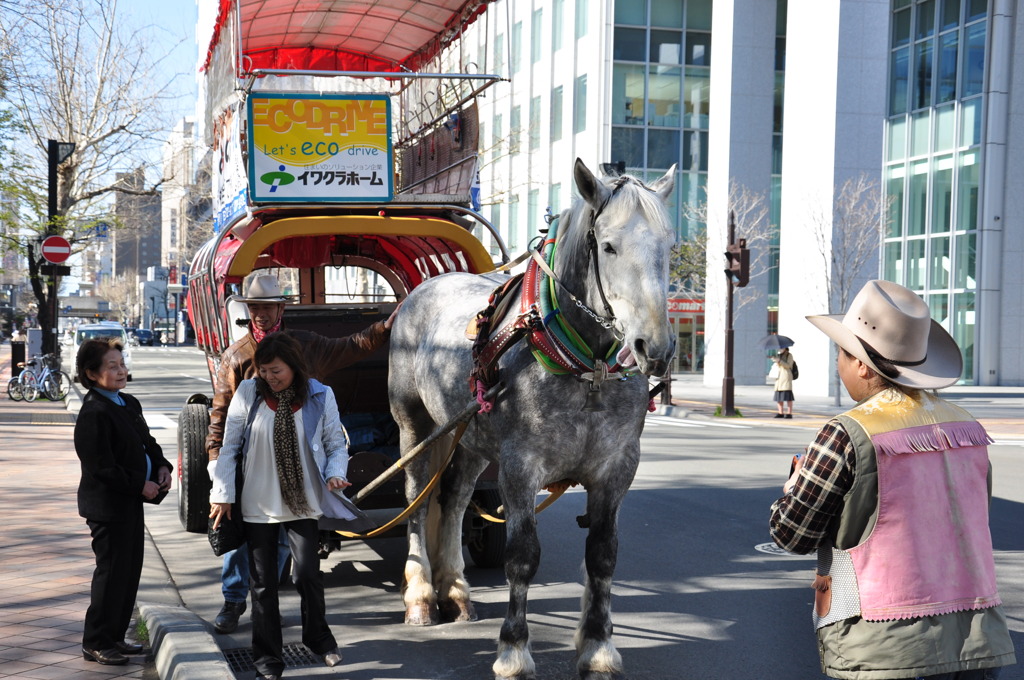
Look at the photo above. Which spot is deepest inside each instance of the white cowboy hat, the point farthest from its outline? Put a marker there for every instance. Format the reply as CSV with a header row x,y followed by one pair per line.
x,y
262,289
892,323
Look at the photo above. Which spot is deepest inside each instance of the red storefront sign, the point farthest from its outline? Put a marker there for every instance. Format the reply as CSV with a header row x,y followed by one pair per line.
x,y
685,306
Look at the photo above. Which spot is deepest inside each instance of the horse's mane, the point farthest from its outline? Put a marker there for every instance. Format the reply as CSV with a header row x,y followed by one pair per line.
x,y
629,195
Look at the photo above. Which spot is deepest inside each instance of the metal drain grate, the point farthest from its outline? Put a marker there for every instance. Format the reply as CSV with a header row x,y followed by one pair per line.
x,y
295,656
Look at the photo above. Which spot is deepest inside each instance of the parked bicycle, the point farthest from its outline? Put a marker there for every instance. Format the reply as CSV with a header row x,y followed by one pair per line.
x,y
40,375
53,382
25,385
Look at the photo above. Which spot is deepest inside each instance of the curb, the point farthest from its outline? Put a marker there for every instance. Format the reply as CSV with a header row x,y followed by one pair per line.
x,y
184,648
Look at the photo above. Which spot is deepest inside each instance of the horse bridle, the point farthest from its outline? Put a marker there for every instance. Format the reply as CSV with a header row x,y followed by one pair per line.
x,y
608,322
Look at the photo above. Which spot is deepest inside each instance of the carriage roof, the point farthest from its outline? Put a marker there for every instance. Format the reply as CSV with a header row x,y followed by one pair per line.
x,y
357,35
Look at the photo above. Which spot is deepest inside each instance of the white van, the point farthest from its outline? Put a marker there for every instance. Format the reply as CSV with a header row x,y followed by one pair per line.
x,y
103,329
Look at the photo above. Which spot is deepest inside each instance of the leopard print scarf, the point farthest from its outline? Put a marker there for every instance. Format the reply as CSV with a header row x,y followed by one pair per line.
x,y
286,454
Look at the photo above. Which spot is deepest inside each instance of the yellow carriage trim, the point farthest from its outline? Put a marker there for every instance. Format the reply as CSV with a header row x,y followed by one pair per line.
x,y
353,225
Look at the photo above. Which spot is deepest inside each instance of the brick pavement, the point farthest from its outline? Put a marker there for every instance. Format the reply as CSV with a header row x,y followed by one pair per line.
x,y
46,561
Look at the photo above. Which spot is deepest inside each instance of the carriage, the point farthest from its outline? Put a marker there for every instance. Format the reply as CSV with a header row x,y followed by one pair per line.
x,y
346,171
359,196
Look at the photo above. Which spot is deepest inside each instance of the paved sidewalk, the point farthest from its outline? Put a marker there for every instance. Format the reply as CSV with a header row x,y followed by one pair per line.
x,y
46,560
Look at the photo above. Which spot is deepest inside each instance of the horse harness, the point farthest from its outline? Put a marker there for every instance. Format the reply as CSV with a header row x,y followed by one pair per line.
x,y
555,344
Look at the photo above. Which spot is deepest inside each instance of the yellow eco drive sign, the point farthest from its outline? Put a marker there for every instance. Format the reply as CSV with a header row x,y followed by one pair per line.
x,y
319,148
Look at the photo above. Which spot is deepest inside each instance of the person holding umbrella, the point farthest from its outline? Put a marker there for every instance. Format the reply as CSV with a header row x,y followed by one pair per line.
x,y
784,382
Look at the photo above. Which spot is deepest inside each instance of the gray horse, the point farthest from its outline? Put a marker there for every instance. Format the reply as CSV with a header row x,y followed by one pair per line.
x,y
537,431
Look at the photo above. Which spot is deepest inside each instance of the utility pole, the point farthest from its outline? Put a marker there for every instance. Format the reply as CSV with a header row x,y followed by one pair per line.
x,y
737,274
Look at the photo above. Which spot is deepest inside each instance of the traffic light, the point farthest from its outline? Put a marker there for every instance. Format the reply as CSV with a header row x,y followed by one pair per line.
x,y
737,258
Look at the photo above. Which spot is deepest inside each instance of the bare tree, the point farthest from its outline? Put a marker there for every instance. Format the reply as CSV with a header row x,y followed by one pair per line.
x,y
77,73
848,239
122,292
689,267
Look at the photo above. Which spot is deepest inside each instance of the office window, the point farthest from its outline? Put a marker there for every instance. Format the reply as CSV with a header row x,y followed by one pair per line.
x,y
555,198
535,123
534,212
698,48
556,114
557,21
499,54
535,33
580,105
499,136
517,40
581,18
513,223
515,125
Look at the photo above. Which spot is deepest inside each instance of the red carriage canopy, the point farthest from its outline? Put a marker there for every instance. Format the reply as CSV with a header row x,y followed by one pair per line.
x,y
354,35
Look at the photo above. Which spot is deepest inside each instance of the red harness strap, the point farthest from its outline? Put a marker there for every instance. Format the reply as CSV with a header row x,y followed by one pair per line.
x,y
488,348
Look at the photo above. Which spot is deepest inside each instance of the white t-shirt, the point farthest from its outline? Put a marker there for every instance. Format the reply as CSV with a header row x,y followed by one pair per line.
x,y
262,500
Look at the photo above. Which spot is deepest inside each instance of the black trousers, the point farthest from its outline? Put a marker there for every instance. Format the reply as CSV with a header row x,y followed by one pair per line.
x,y
983,674
115,582
267,644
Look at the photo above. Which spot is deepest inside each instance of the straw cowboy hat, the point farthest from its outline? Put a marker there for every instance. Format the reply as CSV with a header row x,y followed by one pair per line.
x,y
262,289
893,322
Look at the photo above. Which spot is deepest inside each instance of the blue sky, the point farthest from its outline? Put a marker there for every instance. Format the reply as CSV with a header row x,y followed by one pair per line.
x,y
172,23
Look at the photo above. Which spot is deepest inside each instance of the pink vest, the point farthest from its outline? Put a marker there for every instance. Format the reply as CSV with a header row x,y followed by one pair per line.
x,y
930,551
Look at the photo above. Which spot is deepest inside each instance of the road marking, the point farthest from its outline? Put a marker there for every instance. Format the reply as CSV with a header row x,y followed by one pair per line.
x,y
158,421
676,422
205,378
772,549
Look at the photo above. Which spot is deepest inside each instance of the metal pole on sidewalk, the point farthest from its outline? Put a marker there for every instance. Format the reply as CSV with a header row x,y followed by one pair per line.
x,y
728,382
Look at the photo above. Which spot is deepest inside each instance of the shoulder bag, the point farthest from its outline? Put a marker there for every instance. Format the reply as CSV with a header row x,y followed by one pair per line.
x,y
230,535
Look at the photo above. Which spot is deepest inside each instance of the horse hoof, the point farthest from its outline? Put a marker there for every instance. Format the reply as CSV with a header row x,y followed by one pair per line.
x,y
422,614
453,610
525,676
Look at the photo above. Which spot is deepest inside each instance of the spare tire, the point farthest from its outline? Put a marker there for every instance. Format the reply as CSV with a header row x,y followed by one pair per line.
x,y
193,479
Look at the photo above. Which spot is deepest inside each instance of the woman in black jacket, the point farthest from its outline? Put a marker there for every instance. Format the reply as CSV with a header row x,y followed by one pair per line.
x,y
122,466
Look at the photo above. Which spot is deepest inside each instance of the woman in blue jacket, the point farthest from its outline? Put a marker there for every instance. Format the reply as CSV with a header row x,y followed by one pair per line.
x,y
285,431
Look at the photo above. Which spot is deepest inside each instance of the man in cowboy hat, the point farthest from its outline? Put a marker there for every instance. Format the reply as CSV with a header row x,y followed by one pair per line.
x,y
894,497
266,303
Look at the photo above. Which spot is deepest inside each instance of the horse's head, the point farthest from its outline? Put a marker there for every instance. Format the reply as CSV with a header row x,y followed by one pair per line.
x,y
634,237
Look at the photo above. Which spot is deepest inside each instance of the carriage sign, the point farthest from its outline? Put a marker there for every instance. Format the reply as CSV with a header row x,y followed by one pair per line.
x,y
319,148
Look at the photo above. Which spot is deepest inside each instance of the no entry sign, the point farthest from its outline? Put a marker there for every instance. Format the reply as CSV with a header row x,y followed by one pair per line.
x,y
56,249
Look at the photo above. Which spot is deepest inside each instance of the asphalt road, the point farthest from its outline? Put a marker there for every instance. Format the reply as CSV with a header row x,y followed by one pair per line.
x,y
694,596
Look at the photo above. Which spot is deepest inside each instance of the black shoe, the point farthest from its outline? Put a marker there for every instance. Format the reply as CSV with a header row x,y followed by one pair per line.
x,y
227,619
128,648
332,658
267,677
107,657
779,415
789,415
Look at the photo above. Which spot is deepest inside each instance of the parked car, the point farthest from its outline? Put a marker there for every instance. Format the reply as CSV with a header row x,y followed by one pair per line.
x,y
103,329
145,336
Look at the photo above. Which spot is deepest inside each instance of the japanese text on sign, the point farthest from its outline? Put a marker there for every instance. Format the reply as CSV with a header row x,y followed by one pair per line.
x,y
319,148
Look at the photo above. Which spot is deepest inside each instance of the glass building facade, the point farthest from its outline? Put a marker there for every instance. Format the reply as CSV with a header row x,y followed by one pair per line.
x,y
661,92
933,157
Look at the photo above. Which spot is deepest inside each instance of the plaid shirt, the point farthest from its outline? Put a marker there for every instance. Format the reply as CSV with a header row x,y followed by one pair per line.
x,y
800,519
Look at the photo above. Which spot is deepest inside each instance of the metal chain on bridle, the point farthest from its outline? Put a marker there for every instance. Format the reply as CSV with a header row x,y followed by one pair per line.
x,y
608,321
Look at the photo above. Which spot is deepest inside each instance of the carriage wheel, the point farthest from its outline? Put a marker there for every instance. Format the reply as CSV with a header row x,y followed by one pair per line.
x,y
193,479
486,543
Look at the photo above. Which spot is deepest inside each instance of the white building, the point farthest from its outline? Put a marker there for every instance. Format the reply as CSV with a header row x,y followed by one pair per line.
x,y
178,171
916,95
